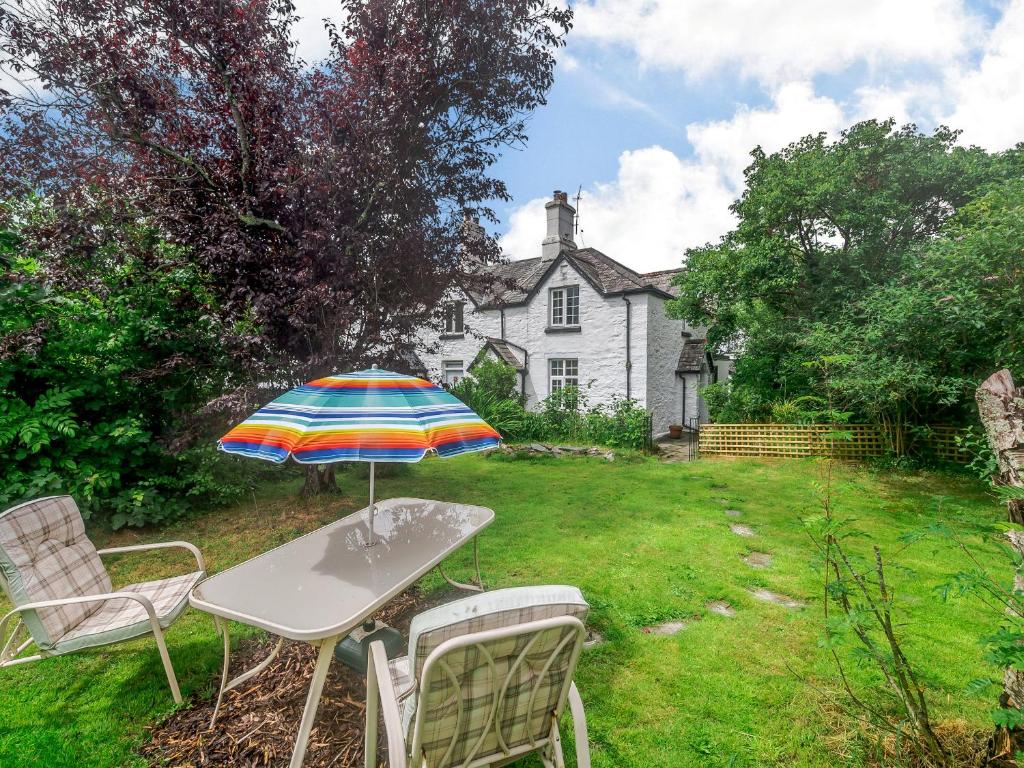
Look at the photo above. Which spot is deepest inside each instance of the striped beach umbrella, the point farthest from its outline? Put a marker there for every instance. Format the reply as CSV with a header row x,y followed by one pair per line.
x,y
370,415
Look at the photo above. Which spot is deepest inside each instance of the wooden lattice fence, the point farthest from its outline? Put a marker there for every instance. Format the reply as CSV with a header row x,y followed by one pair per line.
x,y
860,441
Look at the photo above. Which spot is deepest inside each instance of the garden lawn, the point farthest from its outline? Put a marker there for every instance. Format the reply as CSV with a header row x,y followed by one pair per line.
x,y
647,543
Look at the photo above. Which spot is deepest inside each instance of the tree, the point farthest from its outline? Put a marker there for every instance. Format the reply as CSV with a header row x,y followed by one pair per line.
x,y
325,202
1001,408
873,249
98,382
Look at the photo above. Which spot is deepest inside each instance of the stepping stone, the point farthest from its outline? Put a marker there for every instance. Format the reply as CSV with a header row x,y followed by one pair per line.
x,y
773,597
593,638
759,560
742,530
733,513
722,608
668,628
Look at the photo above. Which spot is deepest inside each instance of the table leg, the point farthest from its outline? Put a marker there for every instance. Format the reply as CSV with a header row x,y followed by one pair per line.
x,y
479,586
225,686
222,628
316,688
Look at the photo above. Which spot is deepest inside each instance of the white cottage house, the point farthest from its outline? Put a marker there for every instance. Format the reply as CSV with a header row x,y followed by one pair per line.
x,y
574,316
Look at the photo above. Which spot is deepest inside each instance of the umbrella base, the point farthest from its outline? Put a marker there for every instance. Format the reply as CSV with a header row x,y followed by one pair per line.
x,y
354,649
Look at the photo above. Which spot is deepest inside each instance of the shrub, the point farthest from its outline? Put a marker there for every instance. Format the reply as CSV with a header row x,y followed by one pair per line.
x,y
98,378
489,398
563,416
496,378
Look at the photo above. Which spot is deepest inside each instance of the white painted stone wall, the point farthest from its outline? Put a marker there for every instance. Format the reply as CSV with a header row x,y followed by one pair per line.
x,y
433,350
600,347
725,367
664,343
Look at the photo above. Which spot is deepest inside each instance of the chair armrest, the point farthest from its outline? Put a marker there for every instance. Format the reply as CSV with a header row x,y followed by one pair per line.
x,y
160,545
144,601
378,683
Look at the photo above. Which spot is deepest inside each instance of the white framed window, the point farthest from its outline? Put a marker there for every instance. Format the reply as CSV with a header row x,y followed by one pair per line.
x,y
452,372
454,316
563,372
565,305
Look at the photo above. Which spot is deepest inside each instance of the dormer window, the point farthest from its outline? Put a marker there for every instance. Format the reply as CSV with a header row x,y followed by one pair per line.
x,y
453,318
565,306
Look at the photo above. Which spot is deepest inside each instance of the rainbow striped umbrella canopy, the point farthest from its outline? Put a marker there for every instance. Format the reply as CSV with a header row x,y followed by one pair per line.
x,y
370,415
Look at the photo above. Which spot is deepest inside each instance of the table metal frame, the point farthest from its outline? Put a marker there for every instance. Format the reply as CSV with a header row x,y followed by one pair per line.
x,y
223,616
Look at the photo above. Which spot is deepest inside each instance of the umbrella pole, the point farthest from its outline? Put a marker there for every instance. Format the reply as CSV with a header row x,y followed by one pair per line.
x,y
370,542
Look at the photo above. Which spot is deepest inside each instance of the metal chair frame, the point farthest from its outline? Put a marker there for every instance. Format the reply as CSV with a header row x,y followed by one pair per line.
x,y
11,656
381,698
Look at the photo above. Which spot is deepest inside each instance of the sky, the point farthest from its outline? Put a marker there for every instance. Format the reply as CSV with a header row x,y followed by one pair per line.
x,y
657,103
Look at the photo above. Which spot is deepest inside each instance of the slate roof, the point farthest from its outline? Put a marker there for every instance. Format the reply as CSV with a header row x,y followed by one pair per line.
x,y
513,282
413,361
691,359
506,352
663,280
506,283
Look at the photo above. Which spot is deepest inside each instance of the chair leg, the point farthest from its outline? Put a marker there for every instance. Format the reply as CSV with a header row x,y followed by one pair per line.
x,y
579,727
372,713
556,746
158,635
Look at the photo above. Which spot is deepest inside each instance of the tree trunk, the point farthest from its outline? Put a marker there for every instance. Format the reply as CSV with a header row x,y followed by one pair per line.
x,y
319,479
1001,407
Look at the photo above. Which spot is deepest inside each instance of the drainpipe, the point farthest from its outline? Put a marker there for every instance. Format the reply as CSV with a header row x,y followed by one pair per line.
x,y
629,362
522,382
682,412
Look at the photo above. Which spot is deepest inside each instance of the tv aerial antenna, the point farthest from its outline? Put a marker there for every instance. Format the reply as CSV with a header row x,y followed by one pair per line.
x,y
576,223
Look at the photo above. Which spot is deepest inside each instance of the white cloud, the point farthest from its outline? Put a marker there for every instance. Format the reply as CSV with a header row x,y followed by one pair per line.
x,y
984,98
988,100
775,41
309,31
795,112
882,102
660,204
657,205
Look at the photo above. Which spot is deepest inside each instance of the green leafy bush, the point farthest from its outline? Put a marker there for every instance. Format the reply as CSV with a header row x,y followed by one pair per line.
x,y
99,377
983,461
564,416
494,377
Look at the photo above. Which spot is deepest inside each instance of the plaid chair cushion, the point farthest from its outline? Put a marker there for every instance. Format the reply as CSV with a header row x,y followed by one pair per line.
x,y
490,610
120,619
480,671
401,676
45,555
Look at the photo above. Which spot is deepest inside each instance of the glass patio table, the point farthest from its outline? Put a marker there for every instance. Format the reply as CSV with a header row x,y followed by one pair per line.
x,y
319,587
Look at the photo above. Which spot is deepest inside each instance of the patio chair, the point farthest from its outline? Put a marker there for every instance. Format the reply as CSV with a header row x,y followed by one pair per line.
x,y
485,682
63,597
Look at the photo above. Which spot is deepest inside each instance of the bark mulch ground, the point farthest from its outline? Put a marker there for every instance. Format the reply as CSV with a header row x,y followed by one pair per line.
x,y
258,720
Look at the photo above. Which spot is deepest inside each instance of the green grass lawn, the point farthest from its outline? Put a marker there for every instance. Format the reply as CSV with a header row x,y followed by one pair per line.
x,y
646,542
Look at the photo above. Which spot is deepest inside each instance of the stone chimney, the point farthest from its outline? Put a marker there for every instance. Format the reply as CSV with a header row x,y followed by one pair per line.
x,y
473,239
560,226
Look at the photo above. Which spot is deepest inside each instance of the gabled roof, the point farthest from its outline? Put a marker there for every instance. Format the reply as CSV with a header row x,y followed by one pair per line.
x,y
413,361
663,280
514,282
693,356
506,351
